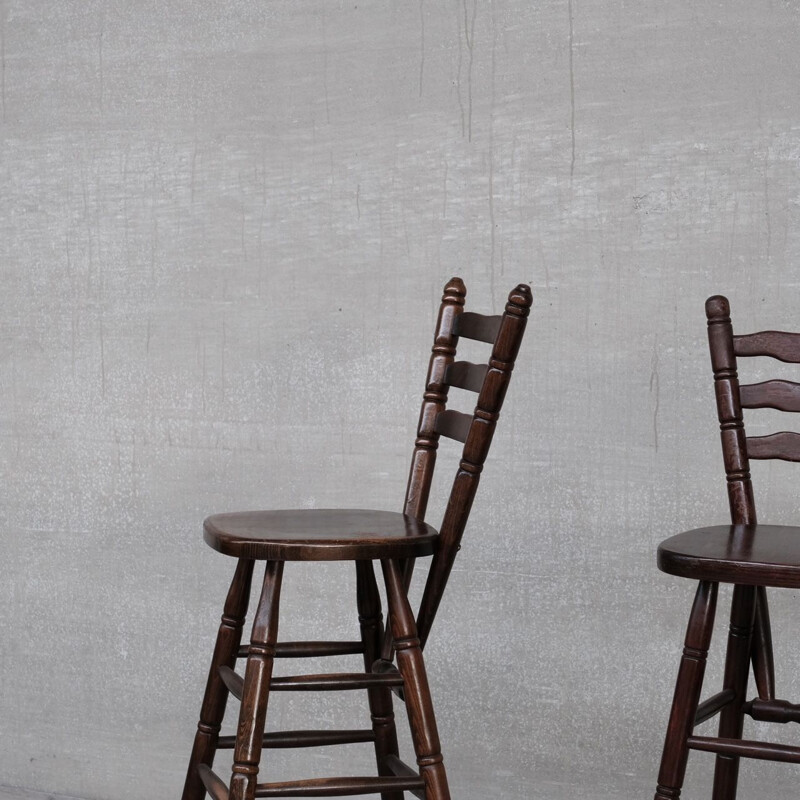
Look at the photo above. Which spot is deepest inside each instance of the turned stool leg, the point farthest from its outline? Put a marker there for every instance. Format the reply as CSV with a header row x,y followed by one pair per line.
x,y
417,694
216,696
380,697
255,690
687,692
737,672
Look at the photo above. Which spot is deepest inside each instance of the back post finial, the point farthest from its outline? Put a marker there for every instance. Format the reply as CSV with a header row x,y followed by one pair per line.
x,y
520,300
718,309
454,292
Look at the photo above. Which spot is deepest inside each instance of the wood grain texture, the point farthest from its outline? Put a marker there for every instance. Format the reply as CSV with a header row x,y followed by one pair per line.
x,y
780,345
784,445
319,534
779,394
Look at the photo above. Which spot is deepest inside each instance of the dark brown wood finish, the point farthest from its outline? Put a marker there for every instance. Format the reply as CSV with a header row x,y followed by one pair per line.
x,y
256,686
319,535
396,540
745,553
687,692
216,696
510,330
368,601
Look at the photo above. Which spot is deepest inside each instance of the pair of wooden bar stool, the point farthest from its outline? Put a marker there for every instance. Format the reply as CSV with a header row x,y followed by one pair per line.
x,y
746,554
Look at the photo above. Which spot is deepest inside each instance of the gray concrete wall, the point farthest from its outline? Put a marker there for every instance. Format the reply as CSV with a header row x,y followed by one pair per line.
x,y
224,229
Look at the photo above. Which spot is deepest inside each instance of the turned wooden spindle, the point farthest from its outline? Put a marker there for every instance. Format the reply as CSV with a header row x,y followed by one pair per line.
x,y
212,712
256,686
434,400
380,697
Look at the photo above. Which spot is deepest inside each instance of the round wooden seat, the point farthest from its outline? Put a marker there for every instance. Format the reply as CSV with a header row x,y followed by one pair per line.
x,y
754,555
319,535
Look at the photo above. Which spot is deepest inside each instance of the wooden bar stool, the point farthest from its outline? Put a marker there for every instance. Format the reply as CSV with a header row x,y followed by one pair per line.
x,y
750,556
394,539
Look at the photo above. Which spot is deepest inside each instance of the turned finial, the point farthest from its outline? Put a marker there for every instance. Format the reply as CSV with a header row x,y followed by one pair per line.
x,y
519,300
718,308
454,292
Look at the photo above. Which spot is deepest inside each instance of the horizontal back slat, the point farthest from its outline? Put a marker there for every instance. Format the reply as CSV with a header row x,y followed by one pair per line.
x,y
453,424
466,375
480,327
783,395
784,445
775,344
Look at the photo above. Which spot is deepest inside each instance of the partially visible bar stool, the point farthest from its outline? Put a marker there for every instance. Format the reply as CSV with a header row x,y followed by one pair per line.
x,y
750,556
394,539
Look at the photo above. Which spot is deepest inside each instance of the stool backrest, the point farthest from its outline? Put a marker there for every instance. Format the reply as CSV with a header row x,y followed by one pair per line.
x,y
737,447
490,381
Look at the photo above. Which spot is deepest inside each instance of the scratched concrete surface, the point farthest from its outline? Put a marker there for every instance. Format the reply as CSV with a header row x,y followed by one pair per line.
x,y
224,228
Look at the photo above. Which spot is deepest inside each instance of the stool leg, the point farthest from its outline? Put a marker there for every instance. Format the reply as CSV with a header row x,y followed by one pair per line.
x,y
687,692
737,672
255,691
380,698
216,696
417,694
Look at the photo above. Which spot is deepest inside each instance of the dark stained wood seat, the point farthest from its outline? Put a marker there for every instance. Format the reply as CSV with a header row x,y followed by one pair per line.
x,y
749,555
391,656
757,555
319,535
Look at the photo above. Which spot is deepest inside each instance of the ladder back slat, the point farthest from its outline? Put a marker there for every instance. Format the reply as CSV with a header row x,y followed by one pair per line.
x,y
779,394
453,424
781,345
784,446
479,327
466,375
339,787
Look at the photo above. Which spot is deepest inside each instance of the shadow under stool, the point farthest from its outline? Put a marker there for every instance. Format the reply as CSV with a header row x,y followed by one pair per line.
x,y
746,554
392,658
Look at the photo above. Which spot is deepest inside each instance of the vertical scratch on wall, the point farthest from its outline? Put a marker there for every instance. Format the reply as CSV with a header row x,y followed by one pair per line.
x,y
654,389
444,199
421,43
733,228
193,175
766,210
3,57
571,89
325,68
469,37
458,76
100,62
102,360
358,204
492,223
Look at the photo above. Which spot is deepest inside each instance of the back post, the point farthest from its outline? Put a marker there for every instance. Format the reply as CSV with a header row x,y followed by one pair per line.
x,y
737,471
729,411
476,448
434,400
